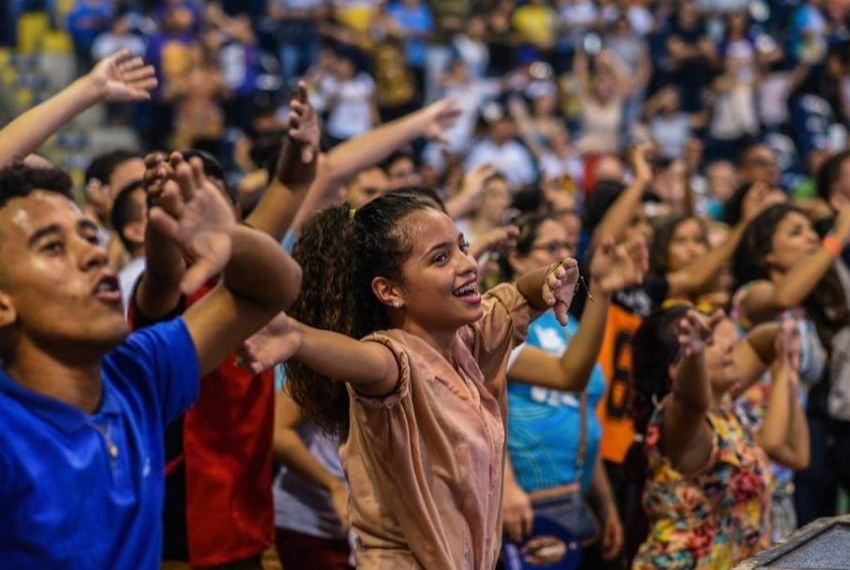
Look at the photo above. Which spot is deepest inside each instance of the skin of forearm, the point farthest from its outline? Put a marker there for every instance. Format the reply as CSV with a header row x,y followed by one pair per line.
x,y
367,365
27,132
277,209
774,429
530,286
291,451
372,147
793,288
798,432
164,263
691,387
601,493
159,293
578,360
260,271
617,219
762,339
699,274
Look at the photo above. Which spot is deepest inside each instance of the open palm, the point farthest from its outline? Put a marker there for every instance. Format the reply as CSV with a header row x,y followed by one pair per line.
x,y
194,214
273,343
616,267
695,332
440,116
122,77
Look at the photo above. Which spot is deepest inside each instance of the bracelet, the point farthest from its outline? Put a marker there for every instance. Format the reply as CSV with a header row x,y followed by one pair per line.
x,y
831,245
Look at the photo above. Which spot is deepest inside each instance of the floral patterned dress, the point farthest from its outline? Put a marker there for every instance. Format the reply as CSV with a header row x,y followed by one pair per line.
x,y
714,518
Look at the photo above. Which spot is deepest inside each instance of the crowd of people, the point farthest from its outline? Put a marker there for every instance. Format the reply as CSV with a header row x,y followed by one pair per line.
x,y
443,284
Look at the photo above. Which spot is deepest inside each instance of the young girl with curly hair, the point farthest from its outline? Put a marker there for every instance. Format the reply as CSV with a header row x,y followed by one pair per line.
x,y
420,400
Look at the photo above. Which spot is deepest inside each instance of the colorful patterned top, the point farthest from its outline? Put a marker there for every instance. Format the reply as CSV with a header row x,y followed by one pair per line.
x,y
713,518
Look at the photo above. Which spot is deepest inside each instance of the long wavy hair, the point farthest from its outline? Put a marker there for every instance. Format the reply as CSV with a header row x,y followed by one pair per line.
x,y
662,235
654,348
826,304
341,251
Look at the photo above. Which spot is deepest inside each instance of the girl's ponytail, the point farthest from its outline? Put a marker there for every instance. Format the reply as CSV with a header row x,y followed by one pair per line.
x,y
341,251
325,252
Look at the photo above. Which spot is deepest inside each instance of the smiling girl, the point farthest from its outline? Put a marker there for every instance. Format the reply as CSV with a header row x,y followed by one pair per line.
x,y
422,409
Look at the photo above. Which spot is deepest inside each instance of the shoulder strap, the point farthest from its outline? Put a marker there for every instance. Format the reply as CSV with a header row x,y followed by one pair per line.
x,y
582,438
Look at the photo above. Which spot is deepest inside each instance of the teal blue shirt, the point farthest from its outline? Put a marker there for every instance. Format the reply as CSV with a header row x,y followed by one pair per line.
x,y
544,425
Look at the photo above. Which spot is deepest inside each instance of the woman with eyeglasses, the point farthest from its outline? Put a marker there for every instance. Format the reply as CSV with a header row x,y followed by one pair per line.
x,y
554,464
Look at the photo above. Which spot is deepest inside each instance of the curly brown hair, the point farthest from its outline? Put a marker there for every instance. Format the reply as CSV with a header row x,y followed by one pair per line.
x,y
341,251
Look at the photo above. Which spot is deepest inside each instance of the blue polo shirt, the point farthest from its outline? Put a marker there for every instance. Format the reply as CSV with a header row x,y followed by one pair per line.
x,y
86,491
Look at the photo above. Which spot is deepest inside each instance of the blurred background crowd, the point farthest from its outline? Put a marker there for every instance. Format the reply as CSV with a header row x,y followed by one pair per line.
x,y
570,82
714,129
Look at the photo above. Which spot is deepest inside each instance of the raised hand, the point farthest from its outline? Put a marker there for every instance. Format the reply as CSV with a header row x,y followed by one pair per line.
x,y
616,267
559,287
639,158
788,347
695,332
123,77
192,212
273,343
298,159
157,171
759,197
493,239
439,116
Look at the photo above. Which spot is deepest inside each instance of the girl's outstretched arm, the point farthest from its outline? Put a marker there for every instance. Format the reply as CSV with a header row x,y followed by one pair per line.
x,y
369,366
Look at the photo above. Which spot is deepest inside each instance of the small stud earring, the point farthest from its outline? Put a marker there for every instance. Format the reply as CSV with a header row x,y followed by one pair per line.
x,y
396,304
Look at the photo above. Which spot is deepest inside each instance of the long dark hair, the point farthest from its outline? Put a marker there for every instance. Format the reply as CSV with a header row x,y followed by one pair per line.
x,y
826,304
341,251
529,228
661,238
749,261
654,348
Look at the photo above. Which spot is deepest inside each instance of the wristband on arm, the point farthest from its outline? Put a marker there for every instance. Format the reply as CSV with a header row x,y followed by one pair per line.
x,y
832,245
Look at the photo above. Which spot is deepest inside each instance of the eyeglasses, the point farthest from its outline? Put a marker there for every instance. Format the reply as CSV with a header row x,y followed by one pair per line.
x,y
555,246
763,162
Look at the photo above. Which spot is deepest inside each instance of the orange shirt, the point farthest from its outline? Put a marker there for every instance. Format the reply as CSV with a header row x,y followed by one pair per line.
x,y
615,357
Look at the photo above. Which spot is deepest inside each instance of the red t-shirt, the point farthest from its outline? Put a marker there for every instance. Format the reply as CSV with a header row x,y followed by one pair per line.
x,y
218,502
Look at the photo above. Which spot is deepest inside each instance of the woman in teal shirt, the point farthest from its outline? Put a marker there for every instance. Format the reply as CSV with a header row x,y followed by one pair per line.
x,y
550,455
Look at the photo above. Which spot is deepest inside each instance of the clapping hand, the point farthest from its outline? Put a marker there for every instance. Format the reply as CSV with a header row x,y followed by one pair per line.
x,y
559,287
788,347
192,212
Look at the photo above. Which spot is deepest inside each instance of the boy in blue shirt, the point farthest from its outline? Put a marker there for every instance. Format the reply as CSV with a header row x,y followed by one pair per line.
x,y
82,405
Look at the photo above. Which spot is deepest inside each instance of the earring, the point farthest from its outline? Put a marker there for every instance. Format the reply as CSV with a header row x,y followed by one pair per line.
x,y
396,304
